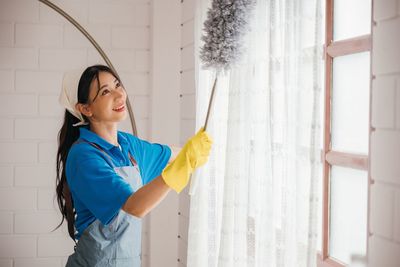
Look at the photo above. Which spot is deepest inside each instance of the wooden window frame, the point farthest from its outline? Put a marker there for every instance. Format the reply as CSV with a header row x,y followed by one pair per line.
x,y
330,158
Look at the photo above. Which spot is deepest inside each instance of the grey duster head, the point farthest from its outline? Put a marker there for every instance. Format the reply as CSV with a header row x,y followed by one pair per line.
x,y
227,21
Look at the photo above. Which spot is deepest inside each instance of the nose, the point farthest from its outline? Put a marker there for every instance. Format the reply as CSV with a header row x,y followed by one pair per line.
x,y
120,93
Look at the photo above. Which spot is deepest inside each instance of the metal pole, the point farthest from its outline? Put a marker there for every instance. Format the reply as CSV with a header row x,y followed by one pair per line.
x,y
98,48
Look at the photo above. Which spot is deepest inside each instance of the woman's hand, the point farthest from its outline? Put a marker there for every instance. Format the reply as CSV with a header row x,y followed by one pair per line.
x,y
194,154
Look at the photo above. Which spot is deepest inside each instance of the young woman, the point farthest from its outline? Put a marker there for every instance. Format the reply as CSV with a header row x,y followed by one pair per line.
x,y
107,180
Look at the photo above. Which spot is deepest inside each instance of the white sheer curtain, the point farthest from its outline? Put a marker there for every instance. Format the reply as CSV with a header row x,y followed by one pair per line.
x,y
257,199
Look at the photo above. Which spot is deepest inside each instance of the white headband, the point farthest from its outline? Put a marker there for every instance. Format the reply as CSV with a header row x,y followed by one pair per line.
x,y
69,94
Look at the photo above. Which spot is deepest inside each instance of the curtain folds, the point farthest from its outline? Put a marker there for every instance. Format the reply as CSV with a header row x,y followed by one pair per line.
x,y
258,196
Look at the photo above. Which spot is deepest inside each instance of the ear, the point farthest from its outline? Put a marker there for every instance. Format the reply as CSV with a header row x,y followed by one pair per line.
x,y
84,109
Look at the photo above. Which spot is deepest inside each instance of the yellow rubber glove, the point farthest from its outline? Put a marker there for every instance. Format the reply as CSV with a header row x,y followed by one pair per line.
x,y
193,154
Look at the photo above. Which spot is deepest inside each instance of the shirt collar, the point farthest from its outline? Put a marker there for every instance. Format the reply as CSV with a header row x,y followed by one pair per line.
x,y
92,137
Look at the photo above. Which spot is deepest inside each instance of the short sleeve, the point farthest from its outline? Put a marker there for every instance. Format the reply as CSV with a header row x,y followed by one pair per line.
x,y
99,188
152,158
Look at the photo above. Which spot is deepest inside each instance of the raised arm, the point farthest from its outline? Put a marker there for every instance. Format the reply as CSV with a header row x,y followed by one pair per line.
x,y
175,176
146,198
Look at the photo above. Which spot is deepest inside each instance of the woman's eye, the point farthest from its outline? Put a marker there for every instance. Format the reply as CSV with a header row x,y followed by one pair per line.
x,y
105,91
118,84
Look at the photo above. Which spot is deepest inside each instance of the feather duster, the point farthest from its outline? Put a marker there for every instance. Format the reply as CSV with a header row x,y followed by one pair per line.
x,y
226,24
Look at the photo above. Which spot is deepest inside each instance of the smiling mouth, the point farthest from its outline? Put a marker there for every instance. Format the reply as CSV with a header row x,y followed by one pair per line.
x,y
119,109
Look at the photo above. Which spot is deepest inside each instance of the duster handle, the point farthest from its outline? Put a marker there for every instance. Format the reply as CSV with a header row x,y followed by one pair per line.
x,y
210,102
194,179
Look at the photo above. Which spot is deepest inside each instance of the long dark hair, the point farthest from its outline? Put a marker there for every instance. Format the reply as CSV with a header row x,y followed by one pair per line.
x,y
67,135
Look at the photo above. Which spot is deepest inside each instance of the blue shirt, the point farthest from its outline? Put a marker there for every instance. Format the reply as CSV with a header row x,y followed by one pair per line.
x,y
98,192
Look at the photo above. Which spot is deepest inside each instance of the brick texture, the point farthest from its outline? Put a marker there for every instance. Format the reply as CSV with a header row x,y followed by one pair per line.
x,y
384,245
188,113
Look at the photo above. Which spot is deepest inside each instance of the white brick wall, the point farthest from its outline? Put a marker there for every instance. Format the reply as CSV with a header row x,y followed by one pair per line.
x,y
384,241
6,223
106,12
384,60
7,263
18,104
22,58
36,222
18,152
383,96
7,128
78,8
50,59
124,37
47,152
382,207
43,262
37,45
188,8
188,113
7,78
37,35
396,234
7,34
165,112
7,173
18,246
34,175
19,11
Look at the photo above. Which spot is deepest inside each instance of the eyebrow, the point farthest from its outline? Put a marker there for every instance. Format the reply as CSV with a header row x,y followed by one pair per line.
x,y
105,85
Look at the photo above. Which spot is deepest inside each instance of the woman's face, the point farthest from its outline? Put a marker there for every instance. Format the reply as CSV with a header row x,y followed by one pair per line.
x,y
109,103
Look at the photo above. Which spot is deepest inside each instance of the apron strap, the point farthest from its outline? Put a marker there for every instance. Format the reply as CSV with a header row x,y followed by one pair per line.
x,y
132,159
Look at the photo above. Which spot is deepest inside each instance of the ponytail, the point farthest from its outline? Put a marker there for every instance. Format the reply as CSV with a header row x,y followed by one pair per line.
x,y
66,137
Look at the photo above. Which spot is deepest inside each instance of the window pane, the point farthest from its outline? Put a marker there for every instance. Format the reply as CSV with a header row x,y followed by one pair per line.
x,y
350,103
348,214
351,18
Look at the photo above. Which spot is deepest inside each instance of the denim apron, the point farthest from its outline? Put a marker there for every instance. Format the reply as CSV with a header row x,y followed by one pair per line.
x,y
118,243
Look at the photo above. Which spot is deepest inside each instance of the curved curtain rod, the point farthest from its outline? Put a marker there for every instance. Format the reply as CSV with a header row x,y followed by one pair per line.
x,y
98,48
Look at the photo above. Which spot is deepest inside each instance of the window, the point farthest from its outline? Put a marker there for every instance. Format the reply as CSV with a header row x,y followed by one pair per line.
x,y
346,132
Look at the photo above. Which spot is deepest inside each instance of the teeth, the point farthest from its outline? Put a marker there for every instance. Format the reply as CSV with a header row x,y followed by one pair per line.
x,y
119,108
